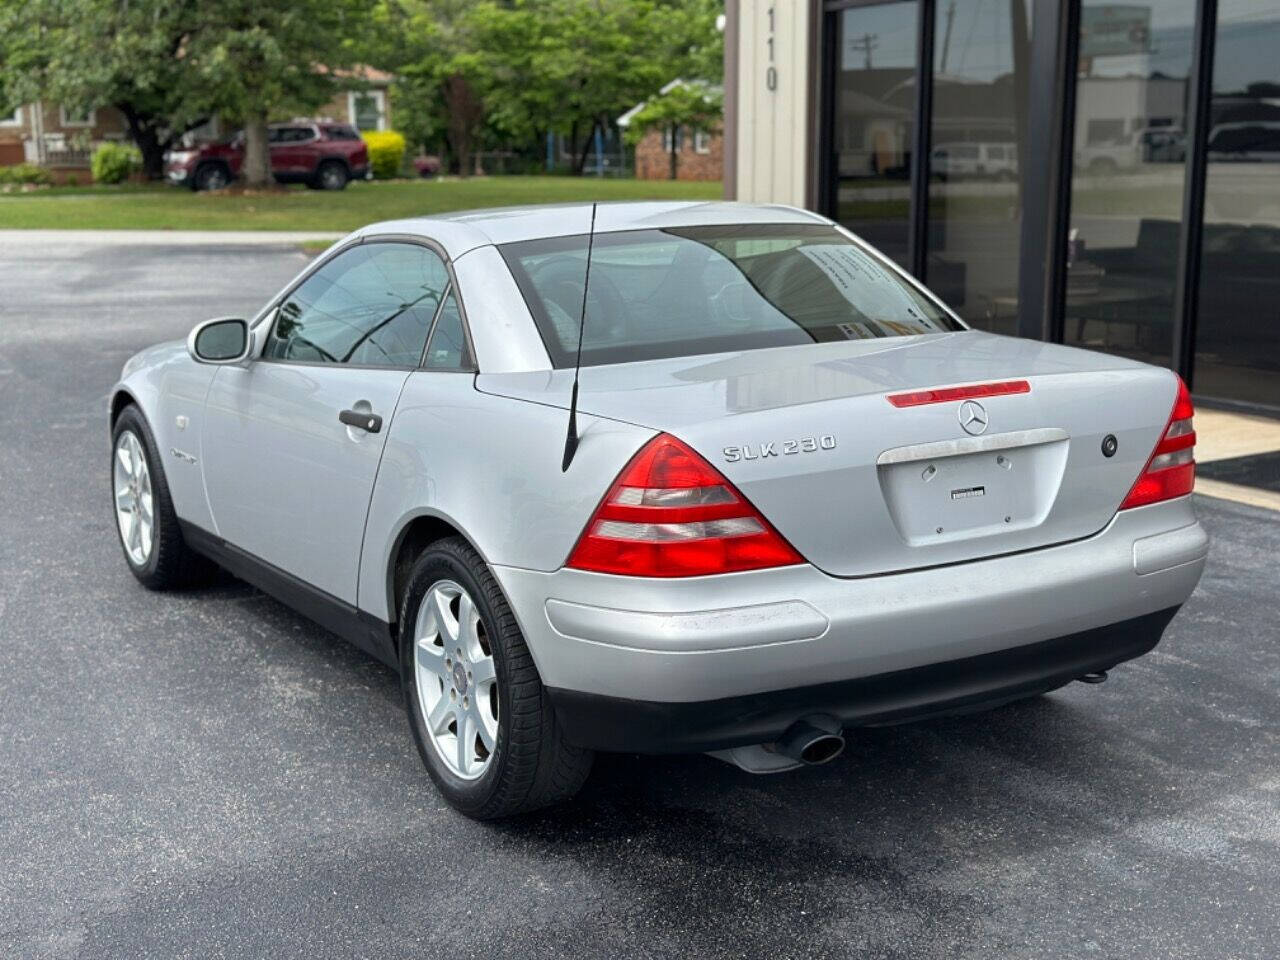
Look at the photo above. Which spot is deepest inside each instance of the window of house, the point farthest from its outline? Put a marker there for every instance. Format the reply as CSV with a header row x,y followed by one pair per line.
x,y
666,139
701,141
74,117
10,116
368,109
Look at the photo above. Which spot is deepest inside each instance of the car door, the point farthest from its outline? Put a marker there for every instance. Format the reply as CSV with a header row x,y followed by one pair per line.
x,y
292,151
293,439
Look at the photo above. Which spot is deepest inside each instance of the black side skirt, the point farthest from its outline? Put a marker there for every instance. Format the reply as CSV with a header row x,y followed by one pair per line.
x,y
956,686
370,634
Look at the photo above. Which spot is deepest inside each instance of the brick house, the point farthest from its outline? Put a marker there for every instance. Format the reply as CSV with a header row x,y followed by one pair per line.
x,y
56,138
62,141
699,153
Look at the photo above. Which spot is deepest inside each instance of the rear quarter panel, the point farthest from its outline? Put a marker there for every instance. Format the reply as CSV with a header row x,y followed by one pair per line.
x,y
489,466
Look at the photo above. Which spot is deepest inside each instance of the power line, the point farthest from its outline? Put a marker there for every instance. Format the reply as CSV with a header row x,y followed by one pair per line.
x,y
866,43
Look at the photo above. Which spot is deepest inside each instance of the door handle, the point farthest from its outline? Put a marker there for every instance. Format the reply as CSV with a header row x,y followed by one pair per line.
x,y
369,422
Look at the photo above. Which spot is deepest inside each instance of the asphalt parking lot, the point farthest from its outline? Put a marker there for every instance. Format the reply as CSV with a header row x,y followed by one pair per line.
x,y
206,774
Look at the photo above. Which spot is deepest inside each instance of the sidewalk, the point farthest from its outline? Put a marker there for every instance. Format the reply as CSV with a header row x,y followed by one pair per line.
x,y
137,238
1224,436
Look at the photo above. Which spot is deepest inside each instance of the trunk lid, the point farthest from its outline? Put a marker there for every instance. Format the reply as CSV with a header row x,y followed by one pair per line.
x,y
862,487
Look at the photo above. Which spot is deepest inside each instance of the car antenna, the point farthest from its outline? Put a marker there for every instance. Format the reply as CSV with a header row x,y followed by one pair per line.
x,y
571,438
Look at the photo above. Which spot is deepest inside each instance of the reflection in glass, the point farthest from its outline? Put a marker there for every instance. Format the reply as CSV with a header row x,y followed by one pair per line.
x,y
1237,353
981,58
874,107
687,291
370,305
1128,172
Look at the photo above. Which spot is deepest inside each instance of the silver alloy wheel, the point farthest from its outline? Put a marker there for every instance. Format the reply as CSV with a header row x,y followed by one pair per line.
x,y
456,679
133,500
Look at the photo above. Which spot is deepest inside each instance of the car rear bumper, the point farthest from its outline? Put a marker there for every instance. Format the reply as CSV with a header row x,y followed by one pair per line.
x,y
796,633
936,689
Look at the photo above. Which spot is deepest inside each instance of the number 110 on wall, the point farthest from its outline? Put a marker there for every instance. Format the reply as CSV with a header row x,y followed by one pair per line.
x,y
771,72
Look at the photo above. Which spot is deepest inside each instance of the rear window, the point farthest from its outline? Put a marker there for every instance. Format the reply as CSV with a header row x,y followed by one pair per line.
x,y
684,291
341,133
289,134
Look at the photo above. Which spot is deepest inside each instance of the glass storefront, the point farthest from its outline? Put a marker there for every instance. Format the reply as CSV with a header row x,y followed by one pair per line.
x,y
991,217
981,56
1237,346
873,122
1128,168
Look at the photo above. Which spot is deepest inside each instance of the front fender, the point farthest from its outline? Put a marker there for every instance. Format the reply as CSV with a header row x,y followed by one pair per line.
x,y
169,388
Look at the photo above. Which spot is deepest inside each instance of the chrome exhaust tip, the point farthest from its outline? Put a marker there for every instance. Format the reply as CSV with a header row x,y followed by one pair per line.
x,y
812,740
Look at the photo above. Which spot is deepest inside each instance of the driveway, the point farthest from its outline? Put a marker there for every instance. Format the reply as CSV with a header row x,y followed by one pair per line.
x,y
206,774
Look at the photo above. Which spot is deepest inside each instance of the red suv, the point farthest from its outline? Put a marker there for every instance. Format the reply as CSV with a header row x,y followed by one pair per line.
x,y
324,156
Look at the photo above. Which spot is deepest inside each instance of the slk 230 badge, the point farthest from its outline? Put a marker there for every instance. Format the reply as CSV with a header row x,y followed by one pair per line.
x,y
779,448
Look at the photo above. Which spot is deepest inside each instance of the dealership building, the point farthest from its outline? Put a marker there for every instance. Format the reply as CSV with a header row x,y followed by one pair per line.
x,y
1101,175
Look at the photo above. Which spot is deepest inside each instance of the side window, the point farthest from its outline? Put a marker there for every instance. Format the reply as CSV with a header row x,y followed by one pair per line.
x,y
371,305
448,348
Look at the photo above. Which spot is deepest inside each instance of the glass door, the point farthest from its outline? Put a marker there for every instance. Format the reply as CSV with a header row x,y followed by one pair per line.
x,y
1237,348
1128,172
978,133
873,122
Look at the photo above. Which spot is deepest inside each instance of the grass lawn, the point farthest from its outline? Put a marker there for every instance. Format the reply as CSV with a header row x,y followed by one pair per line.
x,y
173,208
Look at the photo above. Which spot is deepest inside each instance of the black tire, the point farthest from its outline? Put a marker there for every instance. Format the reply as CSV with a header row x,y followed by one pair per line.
x,y
532,765
170,562
332,175
211,176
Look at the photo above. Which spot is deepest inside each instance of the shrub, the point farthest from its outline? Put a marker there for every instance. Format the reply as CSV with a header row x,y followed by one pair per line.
x,y
26,173
386,153
114,162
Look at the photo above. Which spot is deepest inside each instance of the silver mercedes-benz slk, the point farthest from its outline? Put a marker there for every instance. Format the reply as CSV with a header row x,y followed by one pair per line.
x,y
660,477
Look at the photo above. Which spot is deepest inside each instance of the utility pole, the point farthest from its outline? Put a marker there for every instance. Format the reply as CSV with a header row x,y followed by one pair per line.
x,y
946,37
867,42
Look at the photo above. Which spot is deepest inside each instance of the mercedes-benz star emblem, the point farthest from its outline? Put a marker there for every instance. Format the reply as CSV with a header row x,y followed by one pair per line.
x,y
973,417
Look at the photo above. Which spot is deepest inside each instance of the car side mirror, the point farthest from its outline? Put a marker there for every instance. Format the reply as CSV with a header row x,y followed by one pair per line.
x,y
224,340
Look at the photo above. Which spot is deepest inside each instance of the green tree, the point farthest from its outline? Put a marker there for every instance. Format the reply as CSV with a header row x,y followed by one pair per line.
x,y
254,59
437,51
511,71
168,65
97,53
693,105
592,60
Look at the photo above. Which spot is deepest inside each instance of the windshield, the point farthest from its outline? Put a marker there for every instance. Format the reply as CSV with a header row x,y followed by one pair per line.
x,y
683,291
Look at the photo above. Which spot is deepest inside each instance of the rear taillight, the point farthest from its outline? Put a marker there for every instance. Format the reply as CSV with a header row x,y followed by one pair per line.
x,y
1171,471
672,514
